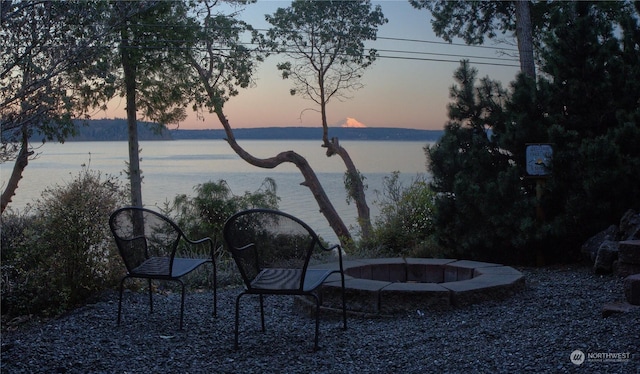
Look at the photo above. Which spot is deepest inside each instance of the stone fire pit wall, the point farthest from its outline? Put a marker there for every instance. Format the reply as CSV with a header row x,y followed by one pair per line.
x,y
389,286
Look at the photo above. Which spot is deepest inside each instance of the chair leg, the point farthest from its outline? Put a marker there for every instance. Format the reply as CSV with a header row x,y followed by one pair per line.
x,y
237,327
215,291
120,300
262,312
181,304
315,342
344,305
150,297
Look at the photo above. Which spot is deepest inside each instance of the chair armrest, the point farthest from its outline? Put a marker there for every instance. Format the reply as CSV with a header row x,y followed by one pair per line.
x,y
339,249
134,238
248,246
201,241
332,247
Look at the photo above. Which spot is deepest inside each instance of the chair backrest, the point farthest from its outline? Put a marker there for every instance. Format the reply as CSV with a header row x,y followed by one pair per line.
x,y
260,239
141,234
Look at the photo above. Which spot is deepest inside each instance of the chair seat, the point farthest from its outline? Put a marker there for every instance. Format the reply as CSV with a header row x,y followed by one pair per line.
x,y
148,242
282,280
272,250
159,267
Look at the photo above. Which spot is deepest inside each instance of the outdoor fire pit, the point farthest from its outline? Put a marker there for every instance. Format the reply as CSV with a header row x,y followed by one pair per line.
x,y
390,286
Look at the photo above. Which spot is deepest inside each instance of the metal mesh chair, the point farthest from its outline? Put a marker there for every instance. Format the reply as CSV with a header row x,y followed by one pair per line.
x,y
148,243
272,250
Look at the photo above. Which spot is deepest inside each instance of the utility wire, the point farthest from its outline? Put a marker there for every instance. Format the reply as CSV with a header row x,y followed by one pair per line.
x,y
455,58
445,43
445,54
397,57
160,44
389,54
443,60
411,40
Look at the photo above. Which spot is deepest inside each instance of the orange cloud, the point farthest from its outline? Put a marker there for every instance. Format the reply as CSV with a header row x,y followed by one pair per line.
x,y
352,122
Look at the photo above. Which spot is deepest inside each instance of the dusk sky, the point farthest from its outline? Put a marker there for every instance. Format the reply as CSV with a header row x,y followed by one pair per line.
x,y
410,90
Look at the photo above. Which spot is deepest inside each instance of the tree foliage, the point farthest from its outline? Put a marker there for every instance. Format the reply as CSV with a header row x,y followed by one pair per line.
x,y
51,60
472,173
62,58
324,44
154,37
151,43
585,105
221,58
205,214
223,62
473,20
45,47
470,20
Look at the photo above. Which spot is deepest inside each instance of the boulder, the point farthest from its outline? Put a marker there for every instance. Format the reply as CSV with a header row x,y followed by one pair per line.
x,y
632,289
624,269
607,255
629,252
592,245
618,308
629,227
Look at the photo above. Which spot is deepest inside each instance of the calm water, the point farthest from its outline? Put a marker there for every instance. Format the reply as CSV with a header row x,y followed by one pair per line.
x,y
170,168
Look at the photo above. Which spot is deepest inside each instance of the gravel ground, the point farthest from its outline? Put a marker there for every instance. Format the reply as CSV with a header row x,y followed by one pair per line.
x,y
534,331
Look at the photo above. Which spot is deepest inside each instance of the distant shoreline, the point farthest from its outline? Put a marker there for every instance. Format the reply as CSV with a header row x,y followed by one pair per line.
x,y
311,133
116,130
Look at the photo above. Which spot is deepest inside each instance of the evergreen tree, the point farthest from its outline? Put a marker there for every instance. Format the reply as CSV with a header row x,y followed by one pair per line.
x,y
592,110
151,40
586,104
475,179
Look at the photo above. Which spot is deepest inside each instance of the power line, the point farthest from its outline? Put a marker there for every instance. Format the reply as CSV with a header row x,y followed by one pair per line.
x,y
443,60
411,40
445,43
158,45
445,54
398,57
389,53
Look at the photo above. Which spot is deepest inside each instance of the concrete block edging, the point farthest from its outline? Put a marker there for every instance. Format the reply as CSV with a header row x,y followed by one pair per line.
x,y
387,286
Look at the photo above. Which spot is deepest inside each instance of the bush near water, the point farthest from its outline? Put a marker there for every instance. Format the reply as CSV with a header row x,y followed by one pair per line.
x,y
58,253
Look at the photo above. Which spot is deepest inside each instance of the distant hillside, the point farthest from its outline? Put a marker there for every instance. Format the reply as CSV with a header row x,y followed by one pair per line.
x,y
116,130
313,133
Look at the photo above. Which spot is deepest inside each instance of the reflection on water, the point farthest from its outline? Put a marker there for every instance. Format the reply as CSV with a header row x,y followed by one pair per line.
x,y
170,168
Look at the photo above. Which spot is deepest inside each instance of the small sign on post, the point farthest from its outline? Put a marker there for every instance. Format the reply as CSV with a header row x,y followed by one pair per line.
x,y
538,158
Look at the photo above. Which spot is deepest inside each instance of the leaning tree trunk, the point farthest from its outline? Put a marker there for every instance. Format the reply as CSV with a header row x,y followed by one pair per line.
x,y
310,179
18,168
355,187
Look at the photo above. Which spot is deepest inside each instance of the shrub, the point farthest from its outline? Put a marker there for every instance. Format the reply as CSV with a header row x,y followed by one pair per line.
x,y
65,253
204,215
404,226
16,227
